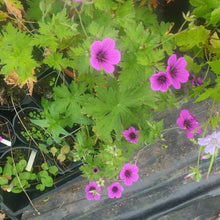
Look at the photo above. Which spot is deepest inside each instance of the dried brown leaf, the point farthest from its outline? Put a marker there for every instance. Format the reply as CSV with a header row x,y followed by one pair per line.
x,y
2,216
30,84
12,78
14,7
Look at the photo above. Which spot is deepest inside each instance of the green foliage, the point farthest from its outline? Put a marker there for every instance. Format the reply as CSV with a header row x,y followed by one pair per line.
x,y
215,66
192,38
208,9
52,33
16,53
96,107
52,121
21,179
125,13
112,108
196,174
70,101
191,65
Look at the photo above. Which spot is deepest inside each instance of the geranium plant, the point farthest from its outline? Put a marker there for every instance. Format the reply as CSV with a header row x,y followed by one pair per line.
x,y
125,66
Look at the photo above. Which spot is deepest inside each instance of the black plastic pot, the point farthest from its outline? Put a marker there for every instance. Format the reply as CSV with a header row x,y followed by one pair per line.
x,y
14,205
18,127
23,97
7,133
25,153
67,165
46,80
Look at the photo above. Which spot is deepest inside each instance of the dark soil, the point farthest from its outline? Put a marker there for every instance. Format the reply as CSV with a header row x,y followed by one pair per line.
x,y
44,87
7,91
26,120
6,130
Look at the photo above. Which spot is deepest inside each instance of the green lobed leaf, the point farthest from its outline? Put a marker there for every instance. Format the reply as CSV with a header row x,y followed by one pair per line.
x,y
40,187
125,13
191,38
215,16
215,66
53,170
45,166
191,65
25,175
3,180
7,170
15,55
47,181
70,102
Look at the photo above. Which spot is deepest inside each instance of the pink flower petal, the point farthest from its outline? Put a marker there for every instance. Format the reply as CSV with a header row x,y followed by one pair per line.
x,y
180,122
113,56
176,84
189,134
95,63
96,47
108,44
134,168
118,195
135,177
108,67
89,196
182,75
184,114
172,60
126,133
128,181
97,196
181,63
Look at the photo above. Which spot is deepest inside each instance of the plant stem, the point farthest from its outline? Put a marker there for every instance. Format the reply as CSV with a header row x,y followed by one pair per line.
x,y
206,73
26,129
80,20
205,129
16,173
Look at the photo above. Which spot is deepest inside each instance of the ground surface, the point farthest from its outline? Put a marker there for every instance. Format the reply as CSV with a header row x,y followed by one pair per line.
x,y
161,192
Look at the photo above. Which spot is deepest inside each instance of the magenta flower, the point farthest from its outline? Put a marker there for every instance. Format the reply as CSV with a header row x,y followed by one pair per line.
x,y
104,55
211,142
131,135
1,138
115,190
129,174
196,82
95,170
189,122
93,191
176,71
160,81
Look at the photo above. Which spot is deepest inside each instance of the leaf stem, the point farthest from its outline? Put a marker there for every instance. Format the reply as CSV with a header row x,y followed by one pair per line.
x,y
80,20
203,135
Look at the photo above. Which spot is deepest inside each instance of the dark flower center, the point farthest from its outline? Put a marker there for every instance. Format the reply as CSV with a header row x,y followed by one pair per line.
x,y
95,170
101,56
162,79
132,135
127,173
91,188
187,124
173,71
115,189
